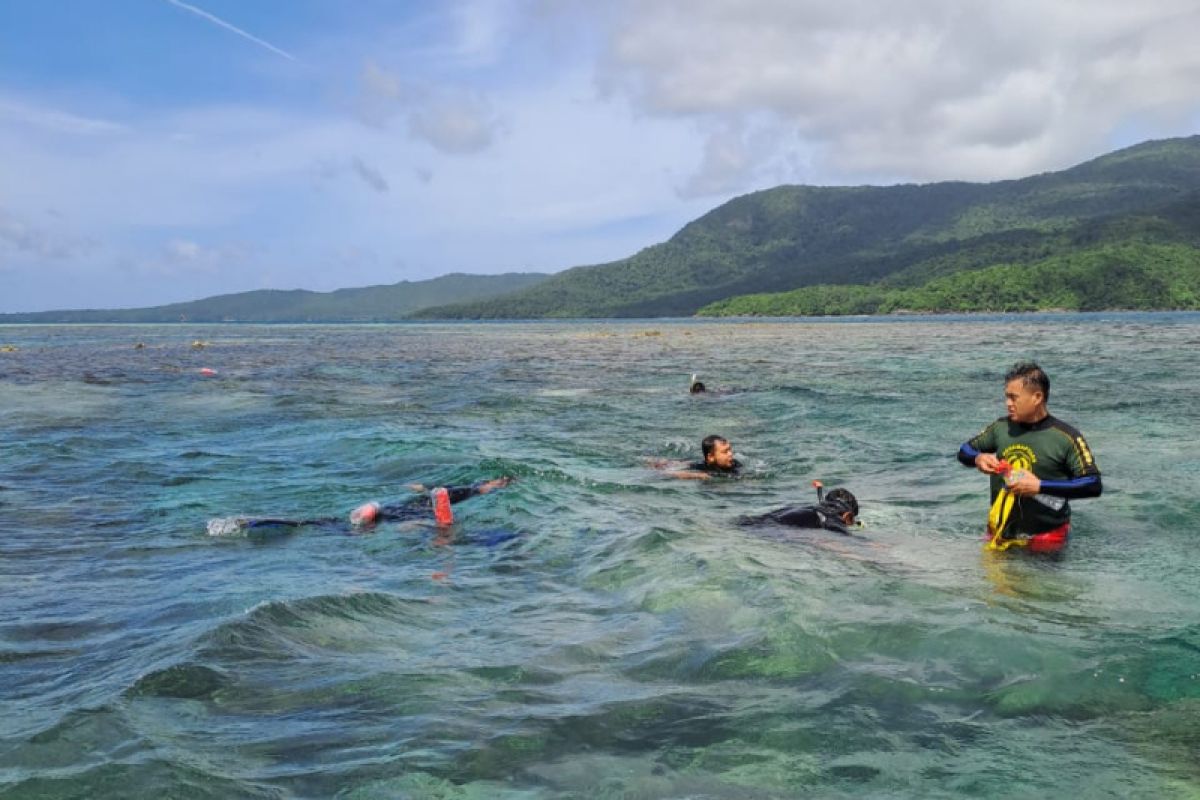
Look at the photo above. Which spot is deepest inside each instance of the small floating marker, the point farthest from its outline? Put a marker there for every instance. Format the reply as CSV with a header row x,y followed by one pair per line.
x,y
207,372
365,514
199,345
440,576
441,506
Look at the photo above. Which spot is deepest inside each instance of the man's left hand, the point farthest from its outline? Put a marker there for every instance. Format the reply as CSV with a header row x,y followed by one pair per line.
x,y
1025,484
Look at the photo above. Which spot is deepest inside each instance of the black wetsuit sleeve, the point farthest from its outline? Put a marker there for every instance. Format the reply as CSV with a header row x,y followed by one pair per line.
x,y
967,455
420,505
1075,488
982,442
460,493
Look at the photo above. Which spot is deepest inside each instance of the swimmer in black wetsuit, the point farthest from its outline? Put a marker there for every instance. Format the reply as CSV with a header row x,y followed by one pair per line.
x,y
718,461
365,515
835,512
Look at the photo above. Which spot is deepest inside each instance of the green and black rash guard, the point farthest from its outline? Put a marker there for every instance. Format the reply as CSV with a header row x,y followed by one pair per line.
x,y
734,471
1054,452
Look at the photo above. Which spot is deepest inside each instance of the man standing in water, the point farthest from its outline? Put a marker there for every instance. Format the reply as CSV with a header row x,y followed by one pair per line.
x,y
1036,463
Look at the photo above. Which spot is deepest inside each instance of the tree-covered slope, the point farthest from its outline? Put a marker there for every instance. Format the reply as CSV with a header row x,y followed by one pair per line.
x,y
369,304
1148,261
795,236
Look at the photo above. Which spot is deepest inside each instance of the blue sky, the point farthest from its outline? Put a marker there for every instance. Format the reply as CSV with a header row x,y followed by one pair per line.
x,y
155,151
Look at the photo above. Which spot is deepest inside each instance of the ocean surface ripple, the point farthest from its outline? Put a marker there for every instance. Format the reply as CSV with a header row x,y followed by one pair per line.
x,y
597,629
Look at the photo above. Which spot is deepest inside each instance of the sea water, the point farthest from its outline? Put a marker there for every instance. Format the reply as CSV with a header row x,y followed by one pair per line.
x,y
598,629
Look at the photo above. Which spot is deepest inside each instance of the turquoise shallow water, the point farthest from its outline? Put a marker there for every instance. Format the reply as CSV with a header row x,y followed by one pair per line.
x,y
596,629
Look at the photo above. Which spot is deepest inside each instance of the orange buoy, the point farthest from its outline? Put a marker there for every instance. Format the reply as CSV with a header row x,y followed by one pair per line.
x,y
441,506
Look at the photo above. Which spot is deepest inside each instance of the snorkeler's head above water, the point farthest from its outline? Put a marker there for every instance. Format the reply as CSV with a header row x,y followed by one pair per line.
x,y
843,503
718,453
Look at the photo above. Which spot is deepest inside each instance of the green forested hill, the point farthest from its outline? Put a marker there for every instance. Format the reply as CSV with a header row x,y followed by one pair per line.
x,y
368,304
1145,261
790,237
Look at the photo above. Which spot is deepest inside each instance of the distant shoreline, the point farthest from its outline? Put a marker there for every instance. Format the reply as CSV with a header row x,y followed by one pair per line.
x,y
895,317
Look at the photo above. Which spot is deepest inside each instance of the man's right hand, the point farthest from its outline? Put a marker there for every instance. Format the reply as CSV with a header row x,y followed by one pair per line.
x,y
987,463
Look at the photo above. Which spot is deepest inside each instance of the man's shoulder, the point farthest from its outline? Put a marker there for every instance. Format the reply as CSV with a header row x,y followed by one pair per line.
x,y
999,422
990,430
1056,424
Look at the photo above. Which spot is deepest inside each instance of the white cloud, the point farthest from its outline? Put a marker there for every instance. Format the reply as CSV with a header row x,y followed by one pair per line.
x,y
942,89
56,121
452,120
53,244
183,250
459,125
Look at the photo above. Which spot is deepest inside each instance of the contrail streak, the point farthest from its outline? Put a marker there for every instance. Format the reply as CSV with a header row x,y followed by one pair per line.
x,y
218,21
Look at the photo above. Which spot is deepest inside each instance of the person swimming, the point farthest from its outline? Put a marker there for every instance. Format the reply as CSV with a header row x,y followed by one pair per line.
x,y
836,511
717,461
368,514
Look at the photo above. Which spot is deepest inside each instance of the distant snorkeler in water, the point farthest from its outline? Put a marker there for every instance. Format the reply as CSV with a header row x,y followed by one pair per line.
x,y
836,511
696,386
368,514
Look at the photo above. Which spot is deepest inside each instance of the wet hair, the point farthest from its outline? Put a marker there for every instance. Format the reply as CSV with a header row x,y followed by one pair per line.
x,y
710,443
843,499
696,388
1032,376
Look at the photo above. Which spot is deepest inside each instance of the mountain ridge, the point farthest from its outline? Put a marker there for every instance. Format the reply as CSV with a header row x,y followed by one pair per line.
x,y
789,237
792,240
378,303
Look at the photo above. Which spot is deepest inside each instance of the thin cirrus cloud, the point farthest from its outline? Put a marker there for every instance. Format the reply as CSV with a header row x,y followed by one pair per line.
x,y
56,121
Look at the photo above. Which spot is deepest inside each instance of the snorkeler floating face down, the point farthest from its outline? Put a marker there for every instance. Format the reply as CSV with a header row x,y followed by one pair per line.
x,y
843,503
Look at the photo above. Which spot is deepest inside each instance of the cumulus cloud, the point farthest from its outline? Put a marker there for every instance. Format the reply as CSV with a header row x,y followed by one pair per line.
x,y
180,256
732,155
457,125
453,121
18,236
933,90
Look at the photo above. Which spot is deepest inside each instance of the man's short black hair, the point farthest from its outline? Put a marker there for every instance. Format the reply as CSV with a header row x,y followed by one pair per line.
x,y
844,499
1033,376
710,443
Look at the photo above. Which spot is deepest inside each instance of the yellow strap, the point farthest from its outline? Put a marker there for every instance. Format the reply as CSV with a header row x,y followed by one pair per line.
x,y
998,516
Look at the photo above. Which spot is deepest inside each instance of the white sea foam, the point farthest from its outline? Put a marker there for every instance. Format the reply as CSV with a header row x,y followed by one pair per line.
x,y
227,526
